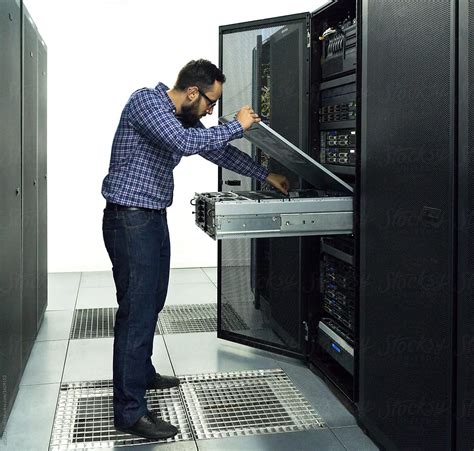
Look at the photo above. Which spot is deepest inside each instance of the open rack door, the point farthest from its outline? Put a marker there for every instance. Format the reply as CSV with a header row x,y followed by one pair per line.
x,y
261,289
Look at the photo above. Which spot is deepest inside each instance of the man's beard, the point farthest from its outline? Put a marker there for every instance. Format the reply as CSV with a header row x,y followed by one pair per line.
x,y
189,116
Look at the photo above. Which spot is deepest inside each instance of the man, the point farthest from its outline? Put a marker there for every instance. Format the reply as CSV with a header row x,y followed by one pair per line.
x,y
157,127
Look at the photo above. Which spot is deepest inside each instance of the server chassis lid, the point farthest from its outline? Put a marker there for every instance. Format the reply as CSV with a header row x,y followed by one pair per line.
x,y
282,150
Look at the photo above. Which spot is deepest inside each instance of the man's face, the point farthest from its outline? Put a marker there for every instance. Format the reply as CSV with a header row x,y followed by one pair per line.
x,y
198,105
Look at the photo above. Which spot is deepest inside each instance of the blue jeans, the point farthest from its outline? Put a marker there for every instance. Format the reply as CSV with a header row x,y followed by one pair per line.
x,y
139,248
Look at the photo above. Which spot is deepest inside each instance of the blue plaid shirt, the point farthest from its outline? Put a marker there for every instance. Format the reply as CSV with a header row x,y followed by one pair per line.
x,y
149,143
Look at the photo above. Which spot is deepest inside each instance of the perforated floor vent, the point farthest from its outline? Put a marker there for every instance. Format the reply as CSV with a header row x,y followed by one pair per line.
x,y
93,323
217,405
178,319
84,417
246,403
173,319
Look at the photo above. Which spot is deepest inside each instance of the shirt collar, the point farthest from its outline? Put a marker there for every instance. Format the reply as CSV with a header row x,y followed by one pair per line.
x,y
162,88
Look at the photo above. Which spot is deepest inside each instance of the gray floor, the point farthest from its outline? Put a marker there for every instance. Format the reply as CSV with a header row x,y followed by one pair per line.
x,y
55,359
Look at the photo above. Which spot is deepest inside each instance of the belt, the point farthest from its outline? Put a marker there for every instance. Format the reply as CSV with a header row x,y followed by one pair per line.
x,y
117,207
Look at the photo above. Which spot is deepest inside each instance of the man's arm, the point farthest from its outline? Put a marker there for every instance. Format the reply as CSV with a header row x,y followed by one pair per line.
x,y
159,125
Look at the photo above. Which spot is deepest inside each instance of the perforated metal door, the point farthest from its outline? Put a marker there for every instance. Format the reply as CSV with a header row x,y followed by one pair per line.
x,y
407,167
465,289
266,63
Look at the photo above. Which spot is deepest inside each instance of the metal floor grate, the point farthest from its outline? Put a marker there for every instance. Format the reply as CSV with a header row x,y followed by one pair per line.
x,y
176,319
93,323
217,404
84,417
173,319
246,403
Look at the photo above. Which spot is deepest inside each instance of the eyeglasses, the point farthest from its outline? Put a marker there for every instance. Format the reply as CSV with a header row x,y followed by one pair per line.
x,y
212,103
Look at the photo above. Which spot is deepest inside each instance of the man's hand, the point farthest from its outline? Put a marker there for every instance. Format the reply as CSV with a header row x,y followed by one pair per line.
x,y
247,117
280,182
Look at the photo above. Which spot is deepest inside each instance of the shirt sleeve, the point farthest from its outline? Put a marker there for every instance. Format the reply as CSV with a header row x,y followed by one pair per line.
x,y
158,124
235,160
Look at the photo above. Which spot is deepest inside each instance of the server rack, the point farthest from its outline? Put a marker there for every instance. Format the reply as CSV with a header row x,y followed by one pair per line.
x,y
335,137
23,252
10,207
42,181
30,182
259,284
410,379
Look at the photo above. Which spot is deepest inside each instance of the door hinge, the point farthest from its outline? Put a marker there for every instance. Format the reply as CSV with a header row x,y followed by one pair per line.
x,y
308,39
306,331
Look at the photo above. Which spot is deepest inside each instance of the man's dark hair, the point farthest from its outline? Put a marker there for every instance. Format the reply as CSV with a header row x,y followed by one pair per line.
x,y
200,73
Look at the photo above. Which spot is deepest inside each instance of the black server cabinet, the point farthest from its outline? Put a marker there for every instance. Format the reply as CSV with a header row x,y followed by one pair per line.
x,y
407,220
409,102
10,206
23,254
30,182
42,181
465,245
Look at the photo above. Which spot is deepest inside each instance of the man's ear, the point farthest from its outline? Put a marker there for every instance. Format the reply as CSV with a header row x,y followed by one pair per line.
x,y
192,92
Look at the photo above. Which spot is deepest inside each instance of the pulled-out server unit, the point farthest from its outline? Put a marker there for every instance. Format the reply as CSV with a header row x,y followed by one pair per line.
x,y
23,216
378,96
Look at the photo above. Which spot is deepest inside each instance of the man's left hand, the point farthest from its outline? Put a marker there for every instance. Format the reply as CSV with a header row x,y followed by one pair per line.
x,y
280,182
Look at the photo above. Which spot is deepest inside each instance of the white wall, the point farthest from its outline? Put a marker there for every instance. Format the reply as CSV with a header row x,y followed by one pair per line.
x,y
99,52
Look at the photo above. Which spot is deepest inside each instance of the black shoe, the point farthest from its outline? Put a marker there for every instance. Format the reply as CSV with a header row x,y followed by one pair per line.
x,y
162,382
151,427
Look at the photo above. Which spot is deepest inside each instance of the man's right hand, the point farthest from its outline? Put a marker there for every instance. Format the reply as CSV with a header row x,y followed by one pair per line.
x,y
247,117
